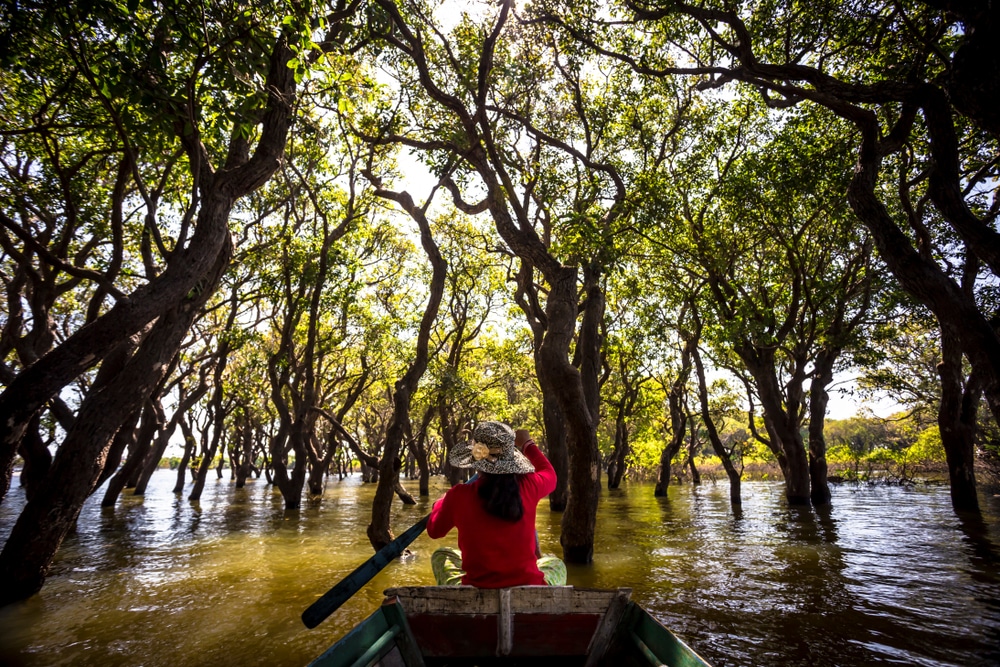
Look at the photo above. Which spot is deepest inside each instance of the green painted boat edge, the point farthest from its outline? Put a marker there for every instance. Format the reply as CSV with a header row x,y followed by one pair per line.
x,y
654,641
369,640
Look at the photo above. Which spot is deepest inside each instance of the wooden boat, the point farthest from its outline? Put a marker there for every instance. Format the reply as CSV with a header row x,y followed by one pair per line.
x,y
554,626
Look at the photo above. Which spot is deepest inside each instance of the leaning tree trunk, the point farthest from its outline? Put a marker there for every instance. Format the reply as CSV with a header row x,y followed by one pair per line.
x,y
190,444
36,456
47,518
172,300
922,278
163,437
735,482
379,532
678,421
148,425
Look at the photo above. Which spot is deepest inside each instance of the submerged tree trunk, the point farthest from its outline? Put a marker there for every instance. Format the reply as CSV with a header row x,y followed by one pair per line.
x,y
168,304
36,456
187,401
47,518
819,398
189,447
734,475
379,532
678,421
923,278
556,449
148,426
576,391
957,423
783,417
625,407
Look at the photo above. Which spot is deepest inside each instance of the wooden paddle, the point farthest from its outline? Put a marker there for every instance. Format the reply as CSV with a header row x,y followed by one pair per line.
x,y
331,601
352,583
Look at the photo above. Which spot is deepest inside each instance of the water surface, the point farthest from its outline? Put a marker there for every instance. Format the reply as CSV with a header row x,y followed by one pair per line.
x,y
886,576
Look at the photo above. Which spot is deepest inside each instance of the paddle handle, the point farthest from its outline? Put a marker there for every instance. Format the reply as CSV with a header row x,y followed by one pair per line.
x,y
331,601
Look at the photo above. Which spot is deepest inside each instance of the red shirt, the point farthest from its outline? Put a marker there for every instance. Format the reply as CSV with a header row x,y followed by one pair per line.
x,y
496,553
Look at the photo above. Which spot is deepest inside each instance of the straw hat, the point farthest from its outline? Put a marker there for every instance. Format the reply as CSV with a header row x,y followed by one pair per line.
x,y
491,449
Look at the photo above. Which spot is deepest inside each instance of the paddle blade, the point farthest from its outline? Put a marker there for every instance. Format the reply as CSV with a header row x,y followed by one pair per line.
x,y
332,600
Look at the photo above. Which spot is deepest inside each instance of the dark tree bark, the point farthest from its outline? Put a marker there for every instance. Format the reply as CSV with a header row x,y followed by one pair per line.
x,y
526,297
190,443
47,518
171,301
692,447
623,412
556,448
734,475
678,420
783,415
819,398
149,424
187,401
379,532
36,456
957,423
318,468
419,450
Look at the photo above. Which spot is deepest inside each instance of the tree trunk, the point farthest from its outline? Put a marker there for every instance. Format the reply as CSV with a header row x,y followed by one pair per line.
x,y
678,421
379,532
819,398
89,345
246,446
616,467
924,279
37,458
555,448
734,475
782,414
291,484
957,423
692,446
123,440
47,518
575,390
189,446
149,424
152,461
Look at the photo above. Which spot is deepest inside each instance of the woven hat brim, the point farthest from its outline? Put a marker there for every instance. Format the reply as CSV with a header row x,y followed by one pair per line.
x,y
510,462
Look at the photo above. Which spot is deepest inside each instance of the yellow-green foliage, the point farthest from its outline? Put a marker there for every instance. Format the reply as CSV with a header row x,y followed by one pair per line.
x,y
646,448
840,453
927,448
757,452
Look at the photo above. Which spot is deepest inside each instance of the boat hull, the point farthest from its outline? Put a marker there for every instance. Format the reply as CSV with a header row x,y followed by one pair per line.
x,y
553,626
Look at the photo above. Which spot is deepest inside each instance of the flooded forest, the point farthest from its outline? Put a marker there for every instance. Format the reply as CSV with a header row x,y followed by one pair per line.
x,y
280,250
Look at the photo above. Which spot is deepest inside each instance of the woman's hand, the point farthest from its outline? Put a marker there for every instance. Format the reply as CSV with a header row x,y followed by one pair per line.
x,y
521,438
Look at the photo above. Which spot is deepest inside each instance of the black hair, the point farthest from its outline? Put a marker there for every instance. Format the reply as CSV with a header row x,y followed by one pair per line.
x,y
501,496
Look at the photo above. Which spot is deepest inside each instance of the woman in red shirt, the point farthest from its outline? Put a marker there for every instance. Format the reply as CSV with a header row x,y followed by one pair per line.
x,y
495,513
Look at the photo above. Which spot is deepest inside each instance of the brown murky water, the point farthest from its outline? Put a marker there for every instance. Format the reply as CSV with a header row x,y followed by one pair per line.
x,y
887,576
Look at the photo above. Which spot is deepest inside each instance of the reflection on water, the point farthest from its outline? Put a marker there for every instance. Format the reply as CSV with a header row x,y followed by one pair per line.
x,y
886,576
